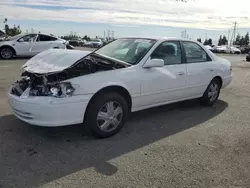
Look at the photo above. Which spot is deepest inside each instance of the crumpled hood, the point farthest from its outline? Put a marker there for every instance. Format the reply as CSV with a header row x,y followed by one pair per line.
x,y
53,60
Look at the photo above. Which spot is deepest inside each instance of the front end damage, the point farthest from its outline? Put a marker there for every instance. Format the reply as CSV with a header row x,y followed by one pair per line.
x,y
57,84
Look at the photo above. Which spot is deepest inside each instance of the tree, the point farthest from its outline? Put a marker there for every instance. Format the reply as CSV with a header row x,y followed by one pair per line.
x,y
242,40
237,40
86,38
220,41
224,40
205,42
199,40
210,42
246,39
11,31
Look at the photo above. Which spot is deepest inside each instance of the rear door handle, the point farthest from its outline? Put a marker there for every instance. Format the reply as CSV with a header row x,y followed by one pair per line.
x,y
181,73
211,70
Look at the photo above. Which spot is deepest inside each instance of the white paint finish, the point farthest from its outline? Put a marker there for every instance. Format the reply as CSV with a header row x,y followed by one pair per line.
x,y
199,75
148,87
162,84
53,60
22,48
32,48
50,111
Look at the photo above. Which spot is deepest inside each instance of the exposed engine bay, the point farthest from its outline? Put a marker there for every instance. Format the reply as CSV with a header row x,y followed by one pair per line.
x,y
51,84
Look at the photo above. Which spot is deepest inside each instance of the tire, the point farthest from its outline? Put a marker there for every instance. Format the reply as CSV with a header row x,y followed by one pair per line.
x,y
6,53
98,127
212,93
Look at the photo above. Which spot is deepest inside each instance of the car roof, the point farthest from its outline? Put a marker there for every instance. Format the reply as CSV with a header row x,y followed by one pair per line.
x,y
38,34
157,38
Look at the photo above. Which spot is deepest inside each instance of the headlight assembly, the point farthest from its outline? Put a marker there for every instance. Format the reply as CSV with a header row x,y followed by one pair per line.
x,y
62,89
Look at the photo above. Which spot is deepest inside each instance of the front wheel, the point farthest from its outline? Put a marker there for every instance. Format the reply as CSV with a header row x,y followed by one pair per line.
x,y
212,93
6,53
106,115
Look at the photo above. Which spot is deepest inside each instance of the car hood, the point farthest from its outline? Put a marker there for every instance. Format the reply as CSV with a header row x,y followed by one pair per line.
x,y
53,60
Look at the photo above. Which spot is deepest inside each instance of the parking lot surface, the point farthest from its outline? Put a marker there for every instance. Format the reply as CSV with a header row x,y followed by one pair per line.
x,y
179,145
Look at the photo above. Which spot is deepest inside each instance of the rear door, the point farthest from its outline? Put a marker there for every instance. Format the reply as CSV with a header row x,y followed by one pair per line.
x,y
200,68
44,42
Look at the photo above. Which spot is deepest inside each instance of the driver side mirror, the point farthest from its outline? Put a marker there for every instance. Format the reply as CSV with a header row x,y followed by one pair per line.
x,y
154,63
20,40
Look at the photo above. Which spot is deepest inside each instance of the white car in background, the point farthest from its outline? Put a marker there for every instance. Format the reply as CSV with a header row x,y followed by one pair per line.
x,y
100,88
233,50
96,43
29,45
220,49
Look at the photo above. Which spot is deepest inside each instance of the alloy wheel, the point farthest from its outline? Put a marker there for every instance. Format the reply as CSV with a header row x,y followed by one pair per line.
x,y
6,53
109,116
213,92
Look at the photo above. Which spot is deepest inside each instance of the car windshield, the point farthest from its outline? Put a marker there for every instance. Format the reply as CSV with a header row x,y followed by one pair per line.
x,y
129,50
95,40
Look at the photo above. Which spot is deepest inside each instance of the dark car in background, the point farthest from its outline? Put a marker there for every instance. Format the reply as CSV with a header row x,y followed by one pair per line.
x,y
248,56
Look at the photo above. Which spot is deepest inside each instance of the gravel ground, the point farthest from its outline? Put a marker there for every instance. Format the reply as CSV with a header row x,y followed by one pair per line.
x,y
179,145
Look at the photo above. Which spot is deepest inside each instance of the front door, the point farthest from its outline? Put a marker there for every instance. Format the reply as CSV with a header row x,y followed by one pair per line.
x,y
24,45
164,84
200,68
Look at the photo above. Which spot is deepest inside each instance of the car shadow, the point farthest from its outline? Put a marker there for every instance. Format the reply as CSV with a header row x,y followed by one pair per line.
x,y
15,58
32,156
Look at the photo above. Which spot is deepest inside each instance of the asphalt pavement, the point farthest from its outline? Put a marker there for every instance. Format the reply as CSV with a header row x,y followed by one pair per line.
x,y
178,145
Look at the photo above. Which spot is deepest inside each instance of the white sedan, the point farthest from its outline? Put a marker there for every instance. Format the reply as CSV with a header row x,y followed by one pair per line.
x,y
99,89
29,45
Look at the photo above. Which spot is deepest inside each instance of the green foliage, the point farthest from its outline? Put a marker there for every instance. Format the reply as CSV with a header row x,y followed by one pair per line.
x,y
208,42
242,41
11,31
222,40
199,40
86,38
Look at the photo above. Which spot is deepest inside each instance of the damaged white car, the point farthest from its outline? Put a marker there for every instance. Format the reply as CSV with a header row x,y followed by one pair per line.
x,y
100,88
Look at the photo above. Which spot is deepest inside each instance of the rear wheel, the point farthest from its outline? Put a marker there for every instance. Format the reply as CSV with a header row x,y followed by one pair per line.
x,y
106,115
6,53
212,93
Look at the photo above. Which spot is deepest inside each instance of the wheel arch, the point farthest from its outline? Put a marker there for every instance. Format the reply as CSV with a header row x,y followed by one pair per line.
x,y
112,88
8,46
219,78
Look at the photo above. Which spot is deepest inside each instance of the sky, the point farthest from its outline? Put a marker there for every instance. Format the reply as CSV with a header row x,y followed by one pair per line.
x,y
200,18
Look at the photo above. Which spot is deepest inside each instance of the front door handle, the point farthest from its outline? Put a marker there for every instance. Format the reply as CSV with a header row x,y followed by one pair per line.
x,y
181,73
211,70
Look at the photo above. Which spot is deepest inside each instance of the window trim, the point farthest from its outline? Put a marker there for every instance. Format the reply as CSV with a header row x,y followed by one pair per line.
x,y
209,59
182,52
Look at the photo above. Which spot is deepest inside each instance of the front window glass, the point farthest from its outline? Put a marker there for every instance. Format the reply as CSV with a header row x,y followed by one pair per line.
x,y
169,52
129,50
29,38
